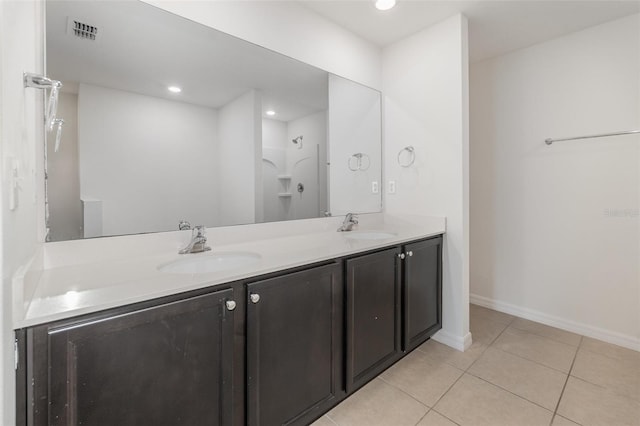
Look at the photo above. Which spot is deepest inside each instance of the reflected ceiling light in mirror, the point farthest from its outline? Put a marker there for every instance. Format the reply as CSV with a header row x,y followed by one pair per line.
x,y
270,113
385,4
174,89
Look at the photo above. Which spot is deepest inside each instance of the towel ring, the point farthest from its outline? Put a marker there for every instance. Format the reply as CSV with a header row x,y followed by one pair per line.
x,y
412,156
356,163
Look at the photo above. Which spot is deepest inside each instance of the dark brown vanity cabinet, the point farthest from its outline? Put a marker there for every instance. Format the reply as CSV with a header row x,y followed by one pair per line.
x,y
280,349
421,290
393,296
373,315
170,364
294,346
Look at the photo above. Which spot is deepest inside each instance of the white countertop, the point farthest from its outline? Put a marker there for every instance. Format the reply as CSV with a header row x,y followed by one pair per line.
x,y
72,278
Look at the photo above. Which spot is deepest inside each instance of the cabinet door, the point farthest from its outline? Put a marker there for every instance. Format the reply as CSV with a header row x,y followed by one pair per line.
x,y
165,365
294,346
422,289
373,315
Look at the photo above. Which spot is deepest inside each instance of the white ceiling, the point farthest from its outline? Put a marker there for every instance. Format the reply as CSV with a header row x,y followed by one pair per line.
x,y
495,27
143,49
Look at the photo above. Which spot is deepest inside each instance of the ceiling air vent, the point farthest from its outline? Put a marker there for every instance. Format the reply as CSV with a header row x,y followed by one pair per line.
x,y
82,30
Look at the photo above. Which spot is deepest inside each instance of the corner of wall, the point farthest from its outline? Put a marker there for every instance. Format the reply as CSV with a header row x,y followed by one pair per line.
x,y
20,111
433,61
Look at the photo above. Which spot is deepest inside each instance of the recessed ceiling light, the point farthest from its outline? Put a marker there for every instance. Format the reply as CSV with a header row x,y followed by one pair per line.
x,y
385,4
270,112
174,89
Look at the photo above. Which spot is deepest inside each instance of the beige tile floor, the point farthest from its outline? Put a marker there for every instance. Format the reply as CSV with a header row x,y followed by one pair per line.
x,y
516,373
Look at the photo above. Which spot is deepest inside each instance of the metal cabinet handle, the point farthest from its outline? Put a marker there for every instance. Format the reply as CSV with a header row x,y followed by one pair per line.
x,y
255,298
410,253
231,305
401,256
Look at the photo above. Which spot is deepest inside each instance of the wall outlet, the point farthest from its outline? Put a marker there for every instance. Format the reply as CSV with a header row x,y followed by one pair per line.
x,y
374,187
392,187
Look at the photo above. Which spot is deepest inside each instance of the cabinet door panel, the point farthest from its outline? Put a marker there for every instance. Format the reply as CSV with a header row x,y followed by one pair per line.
x,y
166,365
294,346
373,315
422,291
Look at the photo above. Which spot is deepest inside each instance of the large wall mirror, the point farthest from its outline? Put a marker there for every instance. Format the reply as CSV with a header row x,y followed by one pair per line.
x,y
166,119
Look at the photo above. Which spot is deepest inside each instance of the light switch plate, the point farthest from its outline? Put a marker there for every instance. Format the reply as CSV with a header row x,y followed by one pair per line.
x,y
392,187
374,187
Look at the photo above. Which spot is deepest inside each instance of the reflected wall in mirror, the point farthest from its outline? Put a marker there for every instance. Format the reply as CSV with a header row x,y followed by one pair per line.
x,y
166,119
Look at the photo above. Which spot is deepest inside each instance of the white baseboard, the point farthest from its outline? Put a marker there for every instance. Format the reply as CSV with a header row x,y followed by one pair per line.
x,y
460,343
562,323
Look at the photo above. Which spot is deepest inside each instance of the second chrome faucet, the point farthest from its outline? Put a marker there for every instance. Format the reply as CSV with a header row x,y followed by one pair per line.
x,y
349,221
198,242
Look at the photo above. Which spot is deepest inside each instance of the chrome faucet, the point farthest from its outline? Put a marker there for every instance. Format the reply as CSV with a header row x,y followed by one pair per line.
x,y
183,225
198,242
349,221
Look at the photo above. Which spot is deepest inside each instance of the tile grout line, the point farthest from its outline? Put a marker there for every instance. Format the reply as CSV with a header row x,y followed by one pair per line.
x,y
531,360
331,420
465,372
577,348
490,344
429,409
539,336
607,389
481,353
445,361
567,381
447,391
557,340
437,400
436,411
539,363
425,415
406,393
508,391
591,351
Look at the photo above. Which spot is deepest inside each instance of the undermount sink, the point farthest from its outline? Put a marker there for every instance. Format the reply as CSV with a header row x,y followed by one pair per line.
x,y
368,235
214,262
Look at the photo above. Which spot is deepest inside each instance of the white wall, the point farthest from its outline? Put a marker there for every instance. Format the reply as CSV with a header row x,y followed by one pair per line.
x,y
63,171
138,155
274,137
354,117
20,127
288,28
555,229
239,160
426,105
